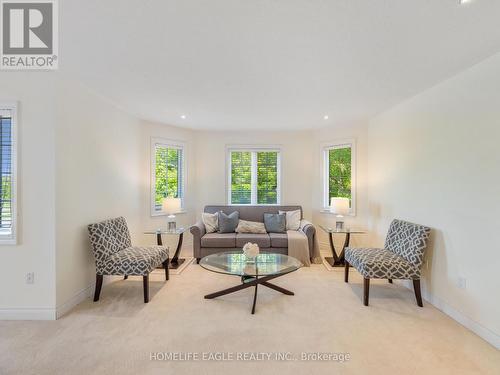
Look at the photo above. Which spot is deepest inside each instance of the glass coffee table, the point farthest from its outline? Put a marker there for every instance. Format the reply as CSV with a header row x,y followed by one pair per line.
x,y
253,272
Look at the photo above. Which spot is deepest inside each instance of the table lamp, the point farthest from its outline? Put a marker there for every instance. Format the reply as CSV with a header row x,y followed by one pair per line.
x,y
339,207
171,206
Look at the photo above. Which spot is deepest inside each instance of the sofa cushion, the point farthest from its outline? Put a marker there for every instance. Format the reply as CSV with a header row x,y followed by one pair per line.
x,y
275,223
292,219
279,239
219,240
211,222
251,213
228,223
245,226
262,240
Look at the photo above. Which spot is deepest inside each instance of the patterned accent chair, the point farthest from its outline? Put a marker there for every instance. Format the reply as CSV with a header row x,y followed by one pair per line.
x,y
115,255
401,257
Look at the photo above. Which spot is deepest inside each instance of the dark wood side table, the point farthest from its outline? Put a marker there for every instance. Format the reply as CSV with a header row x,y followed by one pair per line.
x,y
175,262
338,260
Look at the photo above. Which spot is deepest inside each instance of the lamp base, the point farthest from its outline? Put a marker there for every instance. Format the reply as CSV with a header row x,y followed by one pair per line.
x,y
171,225
339,225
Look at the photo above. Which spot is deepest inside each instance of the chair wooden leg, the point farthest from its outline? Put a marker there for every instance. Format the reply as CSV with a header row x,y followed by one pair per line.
x,y
346,272
390,281
98,286
145,283
366,291
165,266
198,260
125,277
418,295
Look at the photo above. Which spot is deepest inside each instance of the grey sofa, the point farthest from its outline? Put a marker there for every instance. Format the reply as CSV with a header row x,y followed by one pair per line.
x,y
205,244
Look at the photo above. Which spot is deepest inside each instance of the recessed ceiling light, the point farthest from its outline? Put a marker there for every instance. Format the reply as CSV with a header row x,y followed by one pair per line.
x,y
183,117
325,117
462,2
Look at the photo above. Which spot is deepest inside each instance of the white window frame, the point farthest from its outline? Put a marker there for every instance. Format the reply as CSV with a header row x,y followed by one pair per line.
x,y
11,239
253,149
168,143
325,164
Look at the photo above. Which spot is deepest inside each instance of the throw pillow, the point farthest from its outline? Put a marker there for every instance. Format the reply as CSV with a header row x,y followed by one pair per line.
x,y
245,226
275,223
228,223
210,221
292,219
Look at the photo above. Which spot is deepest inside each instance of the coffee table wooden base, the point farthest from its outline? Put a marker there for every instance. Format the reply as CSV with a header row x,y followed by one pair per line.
x,y
252,282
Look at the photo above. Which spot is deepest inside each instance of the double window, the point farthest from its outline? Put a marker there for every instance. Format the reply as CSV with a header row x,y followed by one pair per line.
x,y
168,171
339,172
253,176
8,174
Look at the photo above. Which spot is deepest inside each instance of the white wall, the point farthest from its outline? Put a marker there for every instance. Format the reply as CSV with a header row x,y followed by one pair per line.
x,y
296,159
98,176
435,160
332,134
151,130
36,216
102,163
206,172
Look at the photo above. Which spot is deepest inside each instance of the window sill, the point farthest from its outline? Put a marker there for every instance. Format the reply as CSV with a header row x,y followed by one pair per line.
x,y
253,205
8,241
328,212
154,214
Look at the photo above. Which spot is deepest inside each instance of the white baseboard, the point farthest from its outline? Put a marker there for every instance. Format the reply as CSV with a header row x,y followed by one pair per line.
x,y
81,296
51,313
483,332
28,314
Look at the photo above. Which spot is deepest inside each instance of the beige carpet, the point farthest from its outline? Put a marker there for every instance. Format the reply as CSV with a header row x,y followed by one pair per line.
x,y
117,334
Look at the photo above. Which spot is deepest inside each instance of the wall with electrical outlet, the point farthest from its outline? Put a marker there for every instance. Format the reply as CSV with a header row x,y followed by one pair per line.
x,y
27,277
434,160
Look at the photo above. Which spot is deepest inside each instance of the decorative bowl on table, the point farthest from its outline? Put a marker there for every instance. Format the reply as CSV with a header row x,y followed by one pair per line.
x,y
251,250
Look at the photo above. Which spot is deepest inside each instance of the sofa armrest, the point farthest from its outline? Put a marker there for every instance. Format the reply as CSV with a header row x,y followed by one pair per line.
x,y
198,231
309,230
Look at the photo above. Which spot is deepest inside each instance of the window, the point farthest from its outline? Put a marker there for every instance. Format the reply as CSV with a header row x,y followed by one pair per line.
x,y
339,172
253,176
168,170
8,158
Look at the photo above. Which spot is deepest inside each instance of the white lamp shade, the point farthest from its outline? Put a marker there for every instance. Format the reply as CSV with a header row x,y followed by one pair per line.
x,y
171,205
339,206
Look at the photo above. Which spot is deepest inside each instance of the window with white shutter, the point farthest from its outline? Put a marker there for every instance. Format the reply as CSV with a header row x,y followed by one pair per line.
x,y
8,158
168,171
339,172
254,176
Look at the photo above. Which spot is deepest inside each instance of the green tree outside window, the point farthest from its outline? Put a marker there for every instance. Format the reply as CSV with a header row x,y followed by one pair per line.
x,y
339,173
265,163
168,174
241,177
267,177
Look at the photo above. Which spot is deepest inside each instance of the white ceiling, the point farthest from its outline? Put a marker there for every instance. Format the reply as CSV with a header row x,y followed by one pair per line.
x,y
270,64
